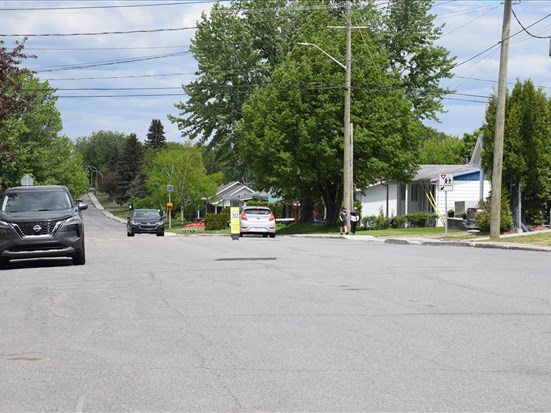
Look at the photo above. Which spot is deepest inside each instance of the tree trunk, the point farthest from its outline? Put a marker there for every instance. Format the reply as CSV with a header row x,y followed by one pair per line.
x,y
306,210
332,199
516,206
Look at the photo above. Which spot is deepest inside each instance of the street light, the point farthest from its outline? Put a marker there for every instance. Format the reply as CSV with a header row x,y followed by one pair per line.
x,y
93,170
348,143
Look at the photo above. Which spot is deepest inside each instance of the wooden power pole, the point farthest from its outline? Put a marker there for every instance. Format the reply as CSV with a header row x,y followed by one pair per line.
x,y
495,214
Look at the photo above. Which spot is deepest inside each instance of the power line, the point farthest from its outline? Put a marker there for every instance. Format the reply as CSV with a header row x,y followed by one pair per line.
x,y
526,29
97,33
106,63
120,6
118,77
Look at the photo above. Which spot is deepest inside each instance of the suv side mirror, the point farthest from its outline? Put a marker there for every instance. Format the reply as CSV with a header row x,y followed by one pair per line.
x,y
82,205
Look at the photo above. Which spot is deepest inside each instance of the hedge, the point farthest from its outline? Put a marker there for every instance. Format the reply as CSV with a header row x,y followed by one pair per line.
x,y
216,222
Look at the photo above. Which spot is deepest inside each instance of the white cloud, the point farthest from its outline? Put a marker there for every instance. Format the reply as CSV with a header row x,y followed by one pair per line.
x,y
472,26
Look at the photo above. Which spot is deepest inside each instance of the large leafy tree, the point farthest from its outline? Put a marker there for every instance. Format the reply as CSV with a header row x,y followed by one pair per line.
x,y
14,97
236,47
292,131
99,148
527,147
35,146
180,165
29,130
396,69
415,60
437,148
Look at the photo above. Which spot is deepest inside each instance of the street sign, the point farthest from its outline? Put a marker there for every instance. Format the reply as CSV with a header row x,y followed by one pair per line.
x,y
170,188
445,182
235,222
27,180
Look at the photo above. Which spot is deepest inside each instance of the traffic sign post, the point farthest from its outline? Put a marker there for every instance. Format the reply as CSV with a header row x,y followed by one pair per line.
x,y
27,180
445,184
169,189
234,223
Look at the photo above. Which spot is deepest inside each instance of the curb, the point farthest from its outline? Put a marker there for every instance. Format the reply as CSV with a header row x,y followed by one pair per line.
x,y
473,244
433,243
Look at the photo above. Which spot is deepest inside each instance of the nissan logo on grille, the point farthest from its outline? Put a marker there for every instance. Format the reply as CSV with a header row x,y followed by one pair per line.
x,y
37,228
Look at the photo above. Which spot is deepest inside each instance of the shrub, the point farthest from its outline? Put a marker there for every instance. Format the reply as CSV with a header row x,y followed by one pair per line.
x,y
376,222
413,220
216,222
420,219
483,218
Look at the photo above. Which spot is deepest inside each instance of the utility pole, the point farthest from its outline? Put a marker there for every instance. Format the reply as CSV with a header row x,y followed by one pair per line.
x,y
348,161
495,213
348,181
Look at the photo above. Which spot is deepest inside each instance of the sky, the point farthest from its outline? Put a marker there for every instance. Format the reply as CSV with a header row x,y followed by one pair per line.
x,y
117,65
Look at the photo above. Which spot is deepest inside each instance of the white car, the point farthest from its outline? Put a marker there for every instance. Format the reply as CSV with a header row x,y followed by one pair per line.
x,y
257,220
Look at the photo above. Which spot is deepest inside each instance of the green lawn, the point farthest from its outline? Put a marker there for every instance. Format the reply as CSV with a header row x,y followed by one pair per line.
x,y
535,239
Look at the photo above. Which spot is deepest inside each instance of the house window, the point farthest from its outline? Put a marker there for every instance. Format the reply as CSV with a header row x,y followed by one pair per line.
x,y
414,193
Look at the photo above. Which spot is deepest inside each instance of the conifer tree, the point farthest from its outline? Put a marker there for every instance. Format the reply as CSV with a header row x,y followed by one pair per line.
x,y
527,148
128,168
156,136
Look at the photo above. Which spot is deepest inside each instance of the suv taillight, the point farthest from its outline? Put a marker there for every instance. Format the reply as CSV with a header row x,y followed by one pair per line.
x,y
272,218
244,216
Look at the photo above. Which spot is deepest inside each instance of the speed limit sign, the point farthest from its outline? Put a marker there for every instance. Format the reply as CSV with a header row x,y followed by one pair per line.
x,y
234,222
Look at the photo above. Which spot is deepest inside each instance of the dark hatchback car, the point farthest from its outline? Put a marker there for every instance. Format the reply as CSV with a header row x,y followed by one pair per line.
x,y
145,221
41,221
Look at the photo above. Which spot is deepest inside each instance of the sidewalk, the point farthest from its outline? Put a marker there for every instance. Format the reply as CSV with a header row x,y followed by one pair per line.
x,y
479,243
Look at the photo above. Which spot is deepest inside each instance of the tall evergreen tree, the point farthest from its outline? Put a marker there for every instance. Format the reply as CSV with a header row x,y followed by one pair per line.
x,y
527,148
156,135
128,168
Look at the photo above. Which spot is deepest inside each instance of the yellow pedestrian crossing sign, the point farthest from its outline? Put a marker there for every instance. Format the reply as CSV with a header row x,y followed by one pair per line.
x,y
445,182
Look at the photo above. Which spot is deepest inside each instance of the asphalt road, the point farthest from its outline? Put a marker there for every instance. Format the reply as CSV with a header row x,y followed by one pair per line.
x,y
166,324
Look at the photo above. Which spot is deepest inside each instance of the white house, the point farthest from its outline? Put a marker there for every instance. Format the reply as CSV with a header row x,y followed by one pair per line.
x,y
422,193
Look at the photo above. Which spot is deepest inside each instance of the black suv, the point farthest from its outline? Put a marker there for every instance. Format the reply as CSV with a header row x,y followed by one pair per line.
x,y
41,221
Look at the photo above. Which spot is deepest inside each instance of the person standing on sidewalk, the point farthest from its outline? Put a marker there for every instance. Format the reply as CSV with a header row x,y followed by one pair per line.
x,y
354,218
342,218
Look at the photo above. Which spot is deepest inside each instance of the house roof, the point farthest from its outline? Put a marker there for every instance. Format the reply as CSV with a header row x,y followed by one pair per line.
x,y
229,190
429,172
226,187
